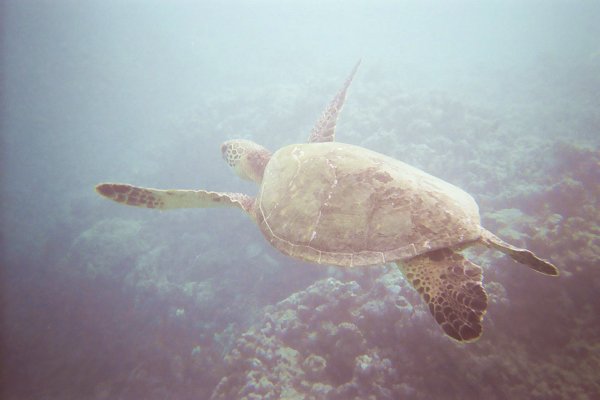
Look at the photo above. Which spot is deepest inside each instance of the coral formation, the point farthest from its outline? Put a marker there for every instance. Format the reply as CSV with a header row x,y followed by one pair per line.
x,y
328,341
350,340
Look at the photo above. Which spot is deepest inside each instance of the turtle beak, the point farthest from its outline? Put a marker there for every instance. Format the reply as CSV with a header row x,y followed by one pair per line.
x,y
224,151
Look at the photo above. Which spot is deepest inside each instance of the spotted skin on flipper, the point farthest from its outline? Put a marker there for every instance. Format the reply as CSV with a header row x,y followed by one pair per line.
x,y
172,199
324,130
452,288
130,195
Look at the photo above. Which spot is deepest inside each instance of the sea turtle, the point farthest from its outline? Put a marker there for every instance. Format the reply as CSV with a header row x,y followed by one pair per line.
x,y
332,203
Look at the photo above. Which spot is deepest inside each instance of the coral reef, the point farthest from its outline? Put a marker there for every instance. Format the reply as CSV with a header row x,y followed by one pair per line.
x,y
351,340
561,218
328,341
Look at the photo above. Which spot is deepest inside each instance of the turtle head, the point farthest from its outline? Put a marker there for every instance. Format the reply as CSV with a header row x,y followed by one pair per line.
x,y
247,158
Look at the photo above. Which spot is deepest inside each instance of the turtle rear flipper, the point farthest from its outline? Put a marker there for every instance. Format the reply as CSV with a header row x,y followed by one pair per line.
x,y
170,199
523,256
452,287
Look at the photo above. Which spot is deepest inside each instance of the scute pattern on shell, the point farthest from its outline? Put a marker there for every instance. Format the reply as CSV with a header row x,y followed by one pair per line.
x,y
335,203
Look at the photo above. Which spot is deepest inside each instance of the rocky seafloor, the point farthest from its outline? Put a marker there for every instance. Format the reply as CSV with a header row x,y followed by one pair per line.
x,y
186,305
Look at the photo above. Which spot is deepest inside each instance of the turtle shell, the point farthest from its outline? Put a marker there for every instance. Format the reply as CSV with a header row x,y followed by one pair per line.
x,y
339,204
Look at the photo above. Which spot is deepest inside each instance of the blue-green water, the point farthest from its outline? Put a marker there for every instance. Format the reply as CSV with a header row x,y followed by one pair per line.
x,y
101,301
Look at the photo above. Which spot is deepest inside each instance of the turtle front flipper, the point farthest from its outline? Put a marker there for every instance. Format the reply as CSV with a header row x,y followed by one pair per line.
x,y
452,287
324,130
523,256
170,199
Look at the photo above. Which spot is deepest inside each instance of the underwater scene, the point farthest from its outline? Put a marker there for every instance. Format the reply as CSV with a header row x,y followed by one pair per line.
x,y
224,291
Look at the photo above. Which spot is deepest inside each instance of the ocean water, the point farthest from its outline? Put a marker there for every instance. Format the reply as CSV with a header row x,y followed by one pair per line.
x,y
102,301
